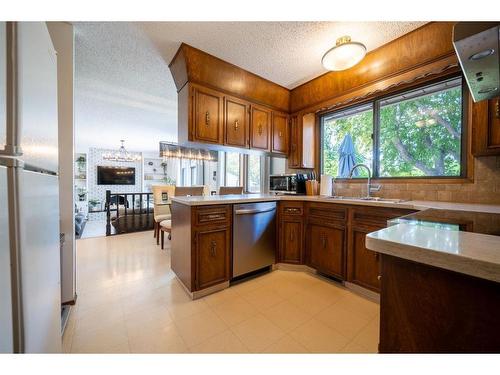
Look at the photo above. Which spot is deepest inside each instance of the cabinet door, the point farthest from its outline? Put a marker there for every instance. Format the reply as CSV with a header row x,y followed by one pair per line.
x,y
280,133
212,257
208,116
364,265
291,243
236,122
486,127
294,157
494,124
326,249
259,128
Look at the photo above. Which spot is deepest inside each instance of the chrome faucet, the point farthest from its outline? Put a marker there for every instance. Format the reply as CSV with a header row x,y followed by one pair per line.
x,y
369,187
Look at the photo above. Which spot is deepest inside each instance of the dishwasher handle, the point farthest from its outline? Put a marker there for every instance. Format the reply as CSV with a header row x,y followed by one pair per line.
x,y
254,211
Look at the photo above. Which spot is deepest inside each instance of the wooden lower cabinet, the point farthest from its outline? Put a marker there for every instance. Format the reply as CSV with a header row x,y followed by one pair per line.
x,y
290,232
212,249
201,245
364,264
291,241
326,249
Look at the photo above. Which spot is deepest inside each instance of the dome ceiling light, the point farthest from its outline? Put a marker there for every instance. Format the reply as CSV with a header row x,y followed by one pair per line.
x,y
344,55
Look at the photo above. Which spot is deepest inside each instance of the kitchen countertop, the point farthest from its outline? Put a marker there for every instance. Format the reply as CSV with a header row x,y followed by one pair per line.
x,y
447,247
412,205
461,241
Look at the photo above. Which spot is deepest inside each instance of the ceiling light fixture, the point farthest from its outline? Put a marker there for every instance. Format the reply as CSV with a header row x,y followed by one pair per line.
x,y
121,155
344,55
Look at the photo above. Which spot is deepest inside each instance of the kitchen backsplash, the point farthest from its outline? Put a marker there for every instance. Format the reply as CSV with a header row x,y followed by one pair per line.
x,y
484,189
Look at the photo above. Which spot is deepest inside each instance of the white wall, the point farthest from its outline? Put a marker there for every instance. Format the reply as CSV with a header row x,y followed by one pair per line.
x,y
62,37
94,159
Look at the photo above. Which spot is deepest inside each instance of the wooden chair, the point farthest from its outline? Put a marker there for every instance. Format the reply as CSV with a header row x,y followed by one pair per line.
x,y
161,210
180,191
183,191
228,190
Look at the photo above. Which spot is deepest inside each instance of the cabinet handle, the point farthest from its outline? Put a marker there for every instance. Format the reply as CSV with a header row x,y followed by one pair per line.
x,y
379,277
280,134
497,108
323,240
213,248
236,125
207,118
260,129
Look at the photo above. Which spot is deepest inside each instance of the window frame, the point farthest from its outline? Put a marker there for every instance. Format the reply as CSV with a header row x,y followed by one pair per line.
x,y
246,172
465,162
241,167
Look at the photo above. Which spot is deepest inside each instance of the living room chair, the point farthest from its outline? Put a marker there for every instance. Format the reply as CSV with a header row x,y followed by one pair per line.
x,y
228,190
161,193
180,191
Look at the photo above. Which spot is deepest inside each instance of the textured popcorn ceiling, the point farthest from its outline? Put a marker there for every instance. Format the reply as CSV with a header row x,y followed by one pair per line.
x,y
124,90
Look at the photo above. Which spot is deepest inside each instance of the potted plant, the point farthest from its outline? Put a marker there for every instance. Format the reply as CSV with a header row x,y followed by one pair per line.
x,y
168,180
82,193
80,162
93,203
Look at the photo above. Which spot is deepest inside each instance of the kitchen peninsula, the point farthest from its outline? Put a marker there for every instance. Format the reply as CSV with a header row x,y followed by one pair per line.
x,y
440,282
338,226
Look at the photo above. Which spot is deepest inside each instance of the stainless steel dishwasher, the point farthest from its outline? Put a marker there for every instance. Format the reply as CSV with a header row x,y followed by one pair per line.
x,y
254,236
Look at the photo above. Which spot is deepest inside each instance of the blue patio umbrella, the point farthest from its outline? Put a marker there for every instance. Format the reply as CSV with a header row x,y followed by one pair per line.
x,y
347,157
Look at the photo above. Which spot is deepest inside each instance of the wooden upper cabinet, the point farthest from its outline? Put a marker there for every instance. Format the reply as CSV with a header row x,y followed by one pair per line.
x,y
280,133
236,122
260,125
302,141
208,116
486,127
294,155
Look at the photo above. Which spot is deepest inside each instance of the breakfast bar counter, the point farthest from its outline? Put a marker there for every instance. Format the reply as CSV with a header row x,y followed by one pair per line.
x,y
440,280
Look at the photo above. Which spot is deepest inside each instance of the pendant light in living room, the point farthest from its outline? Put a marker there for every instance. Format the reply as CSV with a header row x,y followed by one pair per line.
x,y
121,155
344,55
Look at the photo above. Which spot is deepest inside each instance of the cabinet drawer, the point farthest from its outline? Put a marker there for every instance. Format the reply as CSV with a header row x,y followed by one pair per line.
x,y
213,215
376,216
326,211
292,208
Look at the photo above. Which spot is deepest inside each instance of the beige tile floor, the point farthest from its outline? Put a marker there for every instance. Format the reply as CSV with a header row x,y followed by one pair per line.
x,y
129,301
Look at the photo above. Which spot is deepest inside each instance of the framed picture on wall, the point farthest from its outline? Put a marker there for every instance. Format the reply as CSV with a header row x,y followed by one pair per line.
x,y
164,196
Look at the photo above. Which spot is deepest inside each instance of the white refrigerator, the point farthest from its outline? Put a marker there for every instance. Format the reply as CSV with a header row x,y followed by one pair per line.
x,y
30,290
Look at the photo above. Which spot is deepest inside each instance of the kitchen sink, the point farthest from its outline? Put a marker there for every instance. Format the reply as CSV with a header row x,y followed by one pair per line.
x,y
369,199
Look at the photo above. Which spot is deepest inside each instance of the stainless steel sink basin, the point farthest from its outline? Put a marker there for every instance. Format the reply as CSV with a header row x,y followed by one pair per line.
x,y
370,199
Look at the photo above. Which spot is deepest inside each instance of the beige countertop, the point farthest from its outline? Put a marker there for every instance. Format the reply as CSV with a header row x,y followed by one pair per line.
x,y
415,205
473,254
469,253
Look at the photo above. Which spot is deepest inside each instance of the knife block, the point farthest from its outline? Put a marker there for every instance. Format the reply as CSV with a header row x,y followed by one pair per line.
x,y
312,187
